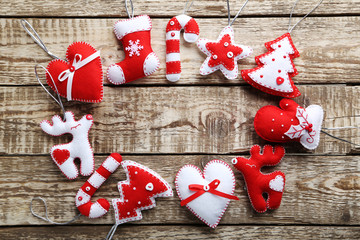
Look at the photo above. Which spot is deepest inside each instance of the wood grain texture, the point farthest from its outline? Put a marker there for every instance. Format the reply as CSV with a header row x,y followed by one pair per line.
x,y
171,120
319,190
91,8
181,232
329,48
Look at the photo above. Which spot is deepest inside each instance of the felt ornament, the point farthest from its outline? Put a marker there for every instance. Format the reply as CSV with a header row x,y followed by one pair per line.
x,y
257,183
138,192
140,60
83,197
290,122
276,68
79,77
206,194
173,28
64,154
223,53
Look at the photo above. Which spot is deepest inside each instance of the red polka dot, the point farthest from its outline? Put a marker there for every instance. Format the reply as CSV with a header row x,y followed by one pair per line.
x,y
279,45
172,34
80,198
261,76
72,69
284,56
279,71
273,59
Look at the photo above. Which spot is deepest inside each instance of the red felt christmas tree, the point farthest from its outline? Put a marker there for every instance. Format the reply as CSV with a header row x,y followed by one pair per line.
x,y
138,192
276,68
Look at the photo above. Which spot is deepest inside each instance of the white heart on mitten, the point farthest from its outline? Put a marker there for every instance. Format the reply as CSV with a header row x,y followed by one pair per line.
x,y
208,207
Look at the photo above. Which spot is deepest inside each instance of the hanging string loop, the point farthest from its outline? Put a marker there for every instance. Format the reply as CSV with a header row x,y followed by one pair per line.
x,y
35,36
111,233
46,218
230,23
187,8
58,100
127,9
292,11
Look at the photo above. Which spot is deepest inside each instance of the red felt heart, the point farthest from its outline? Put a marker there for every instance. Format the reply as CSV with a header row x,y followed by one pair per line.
x,y
279,80
87,85
60,155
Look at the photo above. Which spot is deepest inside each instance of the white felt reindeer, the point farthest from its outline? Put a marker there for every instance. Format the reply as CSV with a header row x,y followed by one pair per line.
x,y
64,154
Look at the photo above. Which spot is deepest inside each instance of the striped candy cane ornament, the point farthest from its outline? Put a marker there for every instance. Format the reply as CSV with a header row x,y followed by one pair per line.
x,y
83,197
173,28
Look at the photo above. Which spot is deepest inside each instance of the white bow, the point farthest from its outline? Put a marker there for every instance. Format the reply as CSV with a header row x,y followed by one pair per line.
x,y
69,73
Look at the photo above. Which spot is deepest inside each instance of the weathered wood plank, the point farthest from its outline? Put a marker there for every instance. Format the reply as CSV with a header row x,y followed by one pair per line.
x,y
84,8
329,47
182,232
319,190
171,120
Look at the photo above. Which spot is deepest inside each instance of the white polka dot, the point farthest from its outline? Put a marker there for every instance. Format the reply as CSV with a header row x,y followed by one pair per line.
x,y
283,137
134,188
292,119
273,119
281,114
128,213
272,130
286,104
135,172
282,125
126,200
139,202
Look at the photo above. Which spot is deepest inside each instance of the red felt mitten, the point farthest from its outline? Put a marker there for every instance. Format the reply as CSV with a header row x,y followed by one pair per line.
x,y
138,192
140,60
258,183
276,68
290,122
79,78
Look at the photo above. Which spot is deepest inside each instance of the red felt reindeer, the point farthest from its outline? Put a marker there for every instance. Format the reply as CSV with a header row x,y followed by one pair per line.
x,y
258,183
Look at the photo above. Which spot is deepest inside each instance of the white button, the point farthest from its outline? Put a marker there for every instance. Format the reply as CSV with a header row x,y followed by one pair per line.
x,y
230,54
139,202
149,187
215,57
206,188
128,213
226,44
135,172
172,23
134,188
234,161
87,188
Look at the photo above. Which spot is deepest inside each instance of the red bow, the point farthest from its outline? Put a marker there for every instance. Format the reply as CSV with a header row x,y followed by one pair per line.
x,y
201,189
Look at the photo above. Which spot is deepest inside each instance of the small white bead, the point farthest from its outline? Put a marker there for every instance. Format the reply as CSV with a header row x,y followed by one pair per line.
x,y
226,44
215,57
135,172
292,119
281,114
128,213
230,54
126,200
134,188
172,23
273,119
286,104
272,130
282,137
139,202
282,125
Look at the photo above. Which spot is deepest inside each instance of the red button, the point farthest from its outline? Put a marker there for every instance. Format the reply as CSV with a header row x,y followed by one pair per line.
x,y
89,117
72,69
279,80
80,198
172,34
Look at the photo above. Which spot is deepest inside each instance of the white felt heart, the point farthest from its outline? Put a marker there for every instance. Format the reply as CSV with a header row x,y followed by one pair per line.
x,y
208,207
277,184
